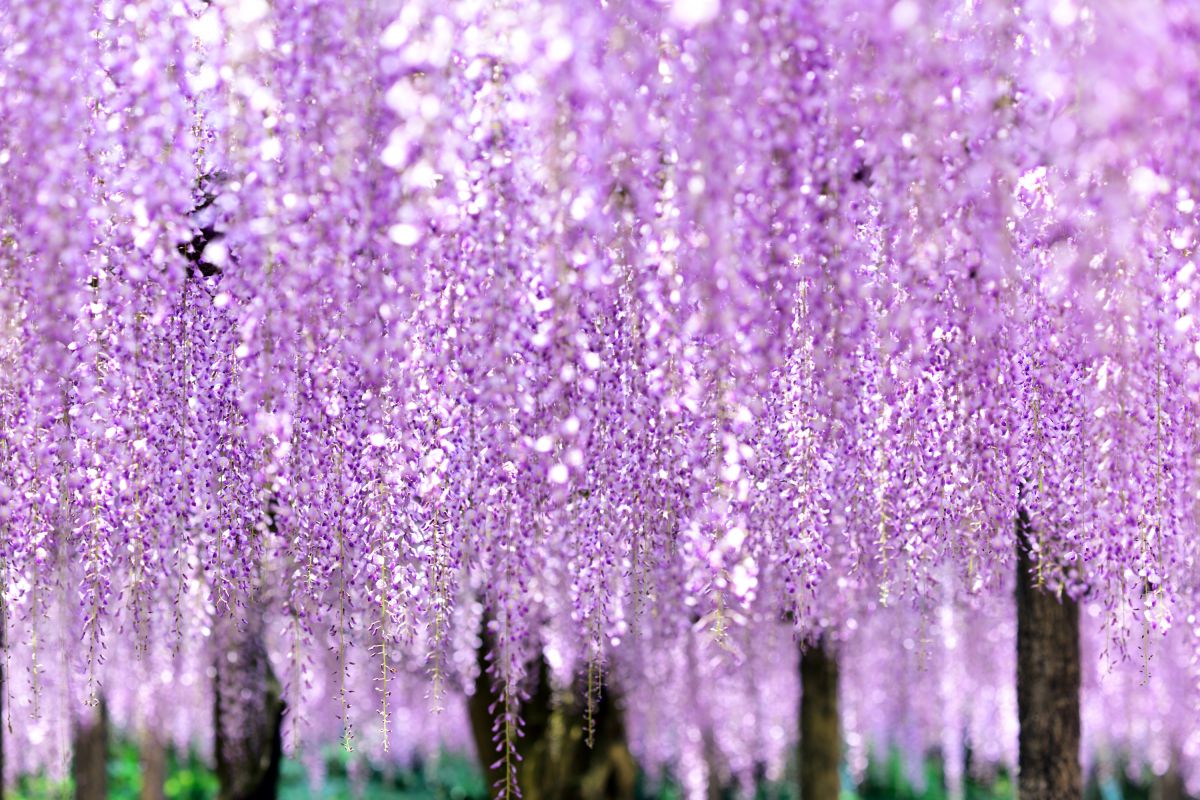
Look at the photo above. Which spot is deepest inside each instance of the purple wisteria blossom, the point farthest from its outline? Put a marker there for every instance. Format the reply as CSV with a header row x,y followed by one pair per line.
x,y
643,337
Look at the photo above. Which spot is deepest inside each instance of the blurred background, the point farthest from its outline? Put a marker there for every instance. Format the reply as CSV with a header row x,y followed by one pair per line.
x,y
338,775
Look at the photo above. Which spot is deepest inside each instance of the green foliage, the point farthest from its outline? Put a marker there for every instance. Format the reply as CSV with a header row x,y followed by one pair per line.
x,y
887,779
39,787
454,776
188,778
449,777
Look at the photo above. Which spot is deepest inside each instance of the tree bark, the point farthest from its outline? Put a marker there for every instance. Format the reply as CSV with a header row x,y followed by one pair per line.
x,y
154,767
715,788
1048,684
556,762
1170,786
820,737
248,713
89,760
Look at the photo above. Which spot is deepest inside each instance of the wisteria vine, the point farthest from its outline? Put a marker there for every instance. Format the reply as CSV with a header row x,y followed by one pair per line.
x,y
583,330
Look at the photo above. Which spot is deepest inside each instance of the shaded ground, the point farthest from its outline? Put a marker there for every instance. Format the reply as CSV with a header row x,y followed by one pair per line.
x,y
455,777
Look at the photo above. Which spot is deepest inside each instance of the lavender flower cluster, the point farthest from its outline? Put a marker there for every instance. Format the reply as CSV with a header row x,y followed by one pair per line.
x,y
615,333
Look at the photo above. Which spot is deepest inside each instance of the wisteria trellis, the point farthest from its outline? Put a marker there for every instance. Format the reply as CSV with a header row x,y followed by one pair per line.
x,y
596,323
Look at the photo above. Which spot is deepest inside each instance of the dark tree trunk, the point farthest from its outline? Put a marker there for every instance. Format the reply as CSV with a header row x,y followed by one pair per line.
x,y
154,767
89,755
1048,684
248,715
1171,785
820,737
556,762
715,789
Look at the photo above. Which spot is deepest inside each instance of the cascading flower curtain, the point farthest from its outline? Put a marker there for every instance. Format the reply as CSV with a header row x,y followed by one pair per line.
x,y
569,330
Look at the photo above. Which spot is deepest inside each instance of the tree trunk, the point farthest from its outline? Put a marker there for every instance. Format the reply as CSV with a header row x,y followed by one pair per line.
x,y
89,760
556,762
1048,684
154,767
247,714
1170,786
714,789
820,738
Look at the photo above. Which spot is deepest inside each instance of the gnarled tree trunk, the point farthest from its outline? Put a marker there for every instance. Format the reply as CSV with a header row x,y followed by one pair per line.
x,y
1048,684
89,756
820,734
556,762
248,715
